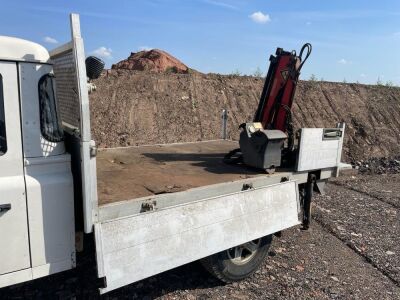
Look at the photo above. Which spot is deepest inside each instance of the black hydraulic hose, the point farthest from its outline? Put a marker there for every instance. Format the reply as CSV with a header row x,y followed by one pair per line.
x,y
309,49
289,127
233,157
277,106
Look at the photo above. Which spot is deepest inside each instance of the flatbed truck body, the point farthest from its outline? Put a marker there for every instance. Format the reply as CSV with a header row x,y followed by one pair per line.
x,y
151,208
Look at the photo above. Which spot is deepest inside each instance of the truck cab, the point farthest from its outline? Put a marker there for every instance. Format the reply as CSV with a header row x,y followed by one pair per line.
x,y
36,185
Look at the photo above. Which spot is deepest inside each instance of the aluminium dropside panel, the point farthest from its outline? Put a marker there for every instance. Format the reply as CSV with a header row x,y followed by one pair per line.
x,y
135,247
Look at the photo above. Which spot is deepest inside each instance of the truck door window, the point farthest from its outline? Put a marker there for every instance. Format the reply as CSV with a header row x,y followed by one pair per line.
x,y
3,140
50,123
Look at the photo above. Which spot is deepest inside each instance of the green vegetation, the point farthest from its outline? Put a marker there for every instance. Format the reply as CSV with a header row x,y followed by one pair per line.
x,y
313,78
170,70
258,73
236,72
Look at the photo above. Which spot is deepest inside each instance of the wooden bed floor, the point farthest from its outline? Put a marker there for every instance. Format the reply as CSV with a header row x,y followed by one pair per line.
x,y
133,172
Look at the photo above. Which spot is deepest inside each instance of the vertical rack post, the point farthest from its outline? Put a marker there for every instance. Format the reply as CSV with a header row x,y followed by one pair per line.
x,y
224,117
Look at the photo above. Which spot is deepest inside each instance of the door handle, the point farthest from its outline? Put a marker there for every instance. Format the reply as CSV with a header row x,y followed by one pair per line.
x,y
332,134
5,207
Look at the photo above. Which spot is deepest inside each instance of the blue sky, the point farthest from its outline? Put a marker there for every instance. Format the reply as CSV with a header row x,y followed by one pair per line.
x,y
353,40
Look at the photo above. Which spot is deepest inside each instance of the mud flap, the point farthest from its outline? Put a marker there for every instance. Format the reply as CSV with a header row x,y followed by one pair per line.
x,y
136,247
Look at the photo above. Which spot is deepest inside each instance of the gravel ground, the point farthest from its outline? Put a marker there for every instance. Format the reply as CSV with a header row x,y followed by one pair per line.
x,y
351,252
379,165
369,225
385,187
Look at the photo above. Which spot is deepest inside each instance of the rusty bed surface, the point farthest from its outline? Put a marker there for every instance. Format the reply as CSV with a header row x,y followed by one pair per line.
x,y
133,172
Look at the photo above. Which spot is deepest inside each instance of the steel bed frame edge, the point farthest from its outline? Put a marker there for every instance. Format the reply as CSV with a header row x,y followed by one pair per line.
x,y
131,207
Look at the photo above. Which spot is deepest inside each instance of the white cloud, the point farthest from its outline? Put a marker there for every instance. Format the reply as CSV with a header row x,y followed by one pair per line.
x,y
308,23
363,75
145,48
50,40
103,52
343,61
259,17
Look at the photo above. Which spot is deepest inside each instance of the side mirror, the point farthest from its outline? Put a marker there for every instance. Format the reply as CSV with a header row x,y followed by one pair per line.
x,y
94,67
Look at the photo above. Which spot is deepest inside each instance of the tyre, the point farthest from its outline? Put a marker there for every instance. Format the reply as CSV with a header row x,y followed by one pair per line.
x,y
238,262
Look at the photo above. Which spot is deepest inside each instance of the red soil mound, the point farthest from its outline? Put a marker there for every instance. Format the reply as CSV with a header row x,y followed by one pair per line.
x,y
154,61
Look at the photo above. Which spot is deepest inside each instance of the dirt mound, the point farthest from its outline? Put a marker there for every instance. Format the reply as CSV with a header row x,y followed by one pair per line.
x,y
132,108
153,60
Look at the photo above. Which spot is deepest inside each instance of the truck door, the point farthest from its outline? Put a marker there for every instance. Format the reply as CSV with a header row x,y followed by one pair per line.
x,y
14,246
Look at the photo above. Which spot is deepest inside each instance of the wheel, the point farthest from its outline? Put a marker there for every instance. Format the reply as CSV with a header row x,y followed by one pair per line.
x,y
238,262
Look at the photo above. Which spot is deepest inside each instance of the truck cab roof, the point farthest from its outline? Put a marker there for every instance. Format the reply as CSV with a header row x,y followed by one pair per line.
x,y
16,49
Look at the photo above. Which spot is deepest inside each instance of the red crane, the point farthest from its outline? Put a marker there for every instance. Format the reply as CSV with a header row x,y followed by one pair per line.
x,y
262,141
274,108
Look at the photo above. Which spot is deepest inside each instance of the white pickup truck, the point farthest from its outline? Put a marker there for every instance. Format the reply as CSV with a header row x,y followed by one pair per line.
x,y
150,208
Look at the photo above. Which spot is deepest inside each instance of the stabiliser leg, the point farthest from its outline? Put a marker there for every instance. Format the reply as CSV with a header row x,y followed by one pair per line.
x,y
307,198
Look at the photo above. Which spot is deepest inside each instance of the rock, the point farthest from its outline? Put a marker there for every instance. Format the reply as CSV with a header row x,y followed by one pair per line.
x,y
299,268
334,278
356,234
280,250
340,228
379,165
390,253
